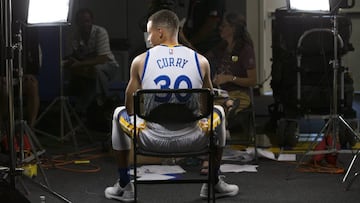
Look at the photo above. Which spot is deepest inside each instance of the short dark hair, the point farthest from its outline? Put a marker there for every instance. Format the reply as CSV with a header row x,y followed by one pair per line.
x,y
83,11
167,19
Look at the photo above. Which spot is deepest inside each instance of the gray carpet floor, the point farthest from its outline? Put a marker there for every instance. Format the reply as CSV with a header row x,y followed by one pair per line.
x,y
273,182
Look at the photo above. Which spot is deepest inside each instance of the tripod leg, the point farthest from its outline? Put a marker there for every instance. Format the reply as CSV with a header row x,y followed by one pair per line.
x,y
26,189
351,181
33,149
47,189
355,156
350,166
72,130
32,135
322,132
46,111
47,186
349,128
78,120
314,142
310,147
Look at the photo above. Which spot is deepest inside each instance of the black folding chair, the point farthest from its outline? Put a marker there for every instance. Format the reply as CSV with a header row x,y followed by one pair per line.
x,y
245,121
175,113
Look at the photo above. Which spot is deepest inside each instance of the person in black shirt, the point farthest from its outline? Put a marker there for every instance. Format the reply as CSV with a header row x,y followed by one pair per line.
x,y
202,23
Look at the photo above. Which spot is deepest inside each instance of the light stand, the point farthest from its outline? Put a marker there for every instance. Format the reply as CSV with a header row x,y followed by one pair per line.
x,y
331,127
66,110
6,7
357,152
24,128
39,15
7,16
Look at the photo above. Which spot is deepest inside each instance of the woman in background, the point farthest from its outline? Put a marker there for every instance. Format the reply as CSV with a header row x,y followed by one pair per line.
x,y
233,63
233,68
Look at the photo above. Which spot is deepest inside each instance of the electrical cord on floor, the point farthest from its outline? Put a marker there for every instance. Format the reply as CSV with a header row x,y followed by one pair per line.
x,y
320,168
75,162
312,166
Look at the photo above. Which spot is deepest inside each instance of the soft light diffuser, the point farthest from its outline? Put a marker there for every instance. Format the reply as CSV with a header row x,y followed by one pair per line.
x,y
310,5
48,11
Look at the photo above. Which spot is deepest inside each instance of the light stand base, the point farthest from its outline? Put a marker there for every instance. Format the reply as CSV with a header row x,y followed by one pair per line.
x,y
47,189
66,111
351,181
34,145
331,126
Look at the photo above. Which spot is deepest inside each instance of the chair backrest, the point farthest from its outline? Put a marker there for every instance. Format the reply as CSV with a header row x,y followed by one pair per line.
x,y
173,105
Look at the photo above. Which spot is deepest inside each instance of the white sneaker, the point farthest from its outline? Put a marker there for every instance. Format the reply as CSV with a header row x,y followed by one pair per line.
x,y
222,189
125,194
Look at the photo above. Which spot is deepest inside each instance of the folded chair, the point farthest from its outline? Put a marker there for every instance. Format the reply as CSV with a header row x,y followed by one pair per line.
x,y
176,113
243,126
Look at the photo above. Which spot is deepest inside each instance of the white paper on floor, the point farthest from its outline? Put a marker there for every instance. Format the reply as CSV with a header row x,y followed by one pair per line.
x,y
226,168
270,155
237,155
263,153
152,176
287,157
153,171
249,154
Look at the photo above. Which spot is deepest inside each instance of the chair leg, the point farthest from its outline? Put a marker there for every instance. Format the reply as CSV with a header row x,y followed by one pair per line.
x,y
135,175
254,136
212,176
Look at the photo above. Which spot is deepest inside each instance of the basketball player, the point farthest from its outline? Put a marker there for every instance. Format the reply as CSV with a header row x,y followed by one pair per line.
x,y
166,65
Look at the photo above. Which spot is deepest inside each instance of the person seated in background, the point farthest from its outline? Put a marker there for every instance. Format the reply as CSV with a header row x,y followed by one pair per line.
x,y
92,65
163,28
233,64
201,27
233,68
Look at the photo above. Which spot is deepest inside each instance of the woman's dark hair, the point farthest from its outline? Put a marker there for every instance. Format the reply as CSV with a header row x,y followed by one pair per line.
x,y
241,35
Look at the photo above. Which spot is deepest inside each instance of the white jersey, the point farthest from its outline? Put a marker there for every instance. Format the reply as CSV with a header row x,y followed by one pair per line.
x,y
175,67
169,68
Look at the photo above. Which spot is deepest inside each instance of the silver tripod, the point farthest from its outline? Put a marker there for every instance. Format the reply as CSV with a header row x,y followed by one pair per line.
x,y
331,127
12,170
24,128
66,109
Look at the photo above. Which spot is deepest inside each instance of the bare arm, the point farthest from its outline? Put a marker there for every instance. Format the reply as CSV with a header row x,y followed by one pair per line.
x,y
249,81
205,68
134,83
90,61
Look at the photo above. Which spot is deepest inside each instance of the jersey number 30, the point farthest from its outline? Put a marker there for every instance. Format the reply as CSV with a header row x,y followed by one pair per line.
x,y
165,83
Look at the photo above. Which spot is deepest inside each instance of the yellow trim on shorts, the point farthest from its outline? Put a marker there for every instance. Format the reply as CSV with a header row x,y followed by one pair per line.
x,y
128,128
204,125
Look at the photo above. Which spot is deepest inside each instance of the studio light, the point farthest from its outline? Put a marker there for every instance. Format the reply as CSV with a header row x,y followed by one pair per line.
x,y
309,5
48,11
